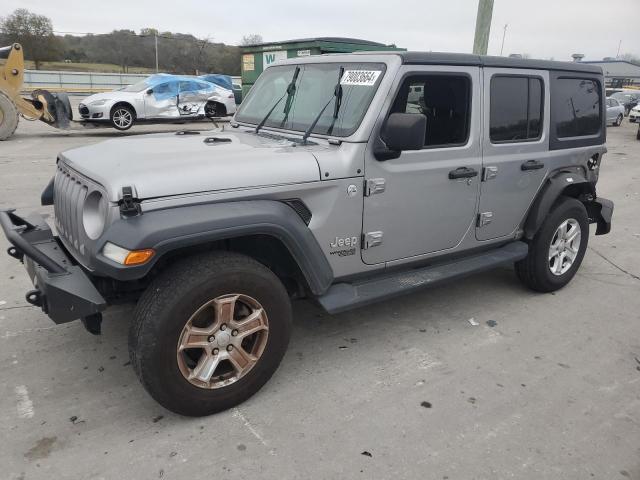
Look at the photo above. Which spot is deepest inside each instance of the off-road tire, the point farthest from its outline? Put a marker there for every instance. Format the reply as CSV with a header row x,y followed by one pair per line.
x,y
8,117
534,269
168,303
114,112
65,103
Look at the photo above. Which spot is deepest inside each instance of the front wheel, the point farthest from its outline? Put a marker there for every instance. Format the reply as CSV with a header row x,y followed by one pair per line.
x,y
8,117
557,250
209,332
122,117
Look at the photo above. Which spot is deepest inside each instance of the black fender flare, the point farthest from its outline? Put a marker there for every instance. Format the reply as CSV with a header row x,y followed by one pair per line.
x,y
176,228
553,188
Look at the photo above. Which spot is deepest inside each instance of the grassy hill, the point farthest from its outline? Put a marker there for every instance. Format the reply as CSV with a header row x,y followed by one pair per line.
x,y
86,67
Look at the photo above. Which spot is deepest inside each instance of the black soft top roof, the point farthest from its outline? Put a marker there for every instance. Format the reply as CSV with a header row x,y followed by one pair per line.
x,y
440,58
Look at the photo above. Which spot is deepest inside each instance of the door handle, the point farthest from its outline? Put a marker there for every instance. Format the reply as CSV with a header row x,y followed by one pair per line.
x,y
462,172
531,165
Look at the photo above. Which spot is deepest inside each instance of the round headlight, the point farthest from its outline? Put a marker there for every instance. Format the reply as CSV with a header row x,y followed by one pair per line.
x,y
94,214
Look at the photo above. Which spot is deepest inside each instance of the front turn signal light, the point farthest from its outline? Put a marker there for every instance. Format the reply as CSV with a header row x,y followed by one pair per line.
x,y
138,257
127,257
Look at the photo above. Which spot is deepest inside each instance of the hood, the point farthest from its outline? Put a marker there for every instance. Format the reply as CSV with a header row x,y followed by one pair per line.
x,y
162,165
115,95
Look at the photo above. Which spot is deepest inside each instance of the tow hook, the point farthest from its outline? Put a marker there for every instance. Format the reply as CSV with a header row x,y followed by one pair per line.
x,y
15,253
35,298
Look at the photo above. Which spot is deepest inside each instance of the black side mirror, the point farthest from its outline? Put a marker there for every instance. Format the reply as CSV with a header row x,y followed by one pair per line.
x,y
150,91
403,131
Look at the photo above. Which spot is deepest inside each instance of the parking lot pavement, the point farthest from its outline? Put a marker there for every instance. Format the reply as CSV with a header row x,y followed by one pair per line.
x,y
543,387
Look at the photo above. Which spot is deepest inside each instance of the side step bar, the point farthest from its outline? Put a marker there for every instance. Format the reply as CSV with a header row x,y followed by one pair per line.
x,y
344,296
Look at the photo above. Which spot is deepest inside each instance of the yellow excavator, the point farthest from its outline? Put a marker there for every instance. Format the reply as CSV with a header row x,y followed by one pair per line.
x,y
51,108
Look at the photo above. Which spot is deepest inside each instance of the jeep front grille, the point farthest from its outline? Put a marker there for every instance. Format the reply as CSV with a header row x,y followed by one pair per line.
x,y
70,191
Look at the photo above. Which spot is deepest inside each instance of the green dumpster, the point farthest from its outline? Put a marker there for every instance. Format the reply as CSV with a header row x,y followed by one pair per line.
x,y
255,58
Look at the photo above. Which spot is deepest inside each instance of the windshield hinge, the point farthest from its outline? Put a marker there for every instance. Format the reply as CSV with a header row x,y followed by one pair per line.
x,y
129,205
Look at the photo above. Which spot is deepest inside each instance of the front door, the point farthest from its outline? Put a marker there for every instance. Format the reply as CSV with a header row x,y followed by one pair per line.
x,y
515,147
161,101
429,197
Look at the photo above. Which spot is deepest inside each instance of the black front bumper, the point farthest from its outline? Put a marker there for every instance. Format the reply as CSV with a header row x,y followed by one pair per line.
x,y
62,288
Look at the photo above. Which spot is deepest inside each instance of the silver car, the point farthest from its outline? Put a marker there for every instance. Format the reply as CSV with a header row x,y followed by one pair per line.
x,y
615,112
158,98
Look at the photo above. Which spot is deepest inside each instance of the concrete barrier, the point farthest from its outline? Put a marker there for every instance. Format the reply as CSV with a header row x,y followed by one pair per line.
x,y
81,82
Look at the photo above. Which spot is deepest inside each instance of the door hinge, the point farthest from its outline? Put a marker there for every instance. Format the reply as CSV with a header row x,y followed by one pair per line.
x,y
489,173
129,205
485,218
374,185
371,239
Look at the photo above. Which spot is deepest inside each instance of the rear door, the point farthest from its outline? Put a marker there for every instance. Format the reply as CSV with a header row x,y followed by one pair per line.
x,y
419,207
192,97
515,145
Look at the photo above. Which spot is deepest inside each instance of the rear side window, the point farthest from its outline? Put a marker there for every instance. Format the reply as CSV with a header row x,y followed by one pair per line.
x,y
577,103
516,109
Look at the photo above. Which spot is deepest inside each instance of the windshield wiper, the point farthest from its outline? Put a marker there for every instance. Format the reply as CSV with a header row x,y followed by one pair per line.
x,y
337,97
291,88
338,104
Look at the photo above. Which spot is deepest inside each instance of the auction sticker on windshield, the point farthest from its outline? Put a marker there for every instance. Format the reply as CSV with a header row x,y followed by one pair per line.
x,y
360,77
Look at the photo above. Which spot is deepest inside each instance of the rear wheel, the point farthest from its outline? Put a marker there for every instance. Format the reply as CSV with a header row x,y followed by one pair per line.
x,y
557,250
8,117
209,332
122,117
214,109
618,121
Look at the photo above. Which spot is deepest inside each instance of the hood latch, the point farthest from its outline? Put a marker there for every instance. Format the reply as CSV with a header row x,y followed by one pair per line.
x,y
129,205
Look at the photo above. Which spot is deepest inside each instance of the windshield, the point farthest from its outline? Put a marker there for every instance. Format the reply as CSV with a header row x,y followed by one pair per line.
x,y
136,87
314,86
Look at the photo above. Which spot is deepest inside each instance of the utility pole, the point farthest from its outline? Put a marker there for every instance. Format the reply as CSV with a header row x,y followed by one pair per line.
x,y
483,27
504,34
619,45
156,38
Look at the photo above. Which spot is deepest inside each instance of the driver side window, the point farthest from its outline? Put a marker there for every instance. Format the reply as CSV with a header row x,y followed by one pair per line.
x,y
446,102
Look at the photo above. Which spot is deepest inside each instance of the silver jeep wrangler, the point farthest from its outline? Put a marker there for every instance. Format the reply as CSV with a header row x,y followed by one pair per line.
x,y
347,179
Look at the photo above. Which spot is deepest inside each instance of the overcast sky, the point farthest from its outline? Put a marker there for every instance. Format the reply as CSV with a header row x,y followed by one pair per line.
x,y
541,28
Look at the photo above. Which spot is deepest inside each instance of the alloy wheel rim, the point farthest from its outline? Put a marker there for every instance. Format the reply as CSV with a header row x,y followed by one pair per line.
x,y
222,341
122,118
1,117
565,245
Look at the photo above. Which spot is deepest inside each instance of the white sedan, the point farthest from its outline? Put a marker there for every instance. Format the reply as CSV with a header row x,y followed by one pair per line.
x,y
634,114
160,97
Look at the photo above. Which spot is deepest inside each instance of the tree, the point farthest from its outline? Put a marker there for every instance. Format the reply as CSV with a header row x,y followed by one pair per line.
x,y
252,39
34,32
630,57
